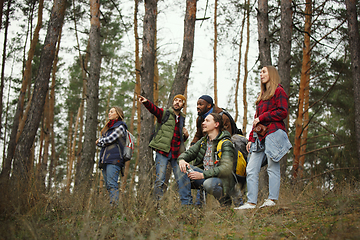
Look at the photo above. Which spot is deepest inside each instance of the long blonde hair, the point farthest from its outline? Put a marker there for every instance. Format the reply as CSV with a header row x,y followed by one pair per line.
x,y
119,112
268,89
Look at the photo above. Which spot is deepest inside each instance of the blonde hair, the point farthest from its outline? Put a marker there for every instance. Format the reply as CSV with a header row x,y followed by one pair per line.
x,y
119,112
268,89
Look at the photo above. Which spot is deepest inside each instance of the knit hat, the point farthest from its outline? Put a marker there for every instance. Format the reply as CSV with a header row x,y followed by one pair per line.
x,y
208,99
181,97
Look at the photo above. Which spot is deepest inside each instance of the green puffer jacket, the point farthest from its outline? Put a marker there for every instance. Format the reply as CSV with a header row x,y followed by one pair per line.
x,y
162,140
223,169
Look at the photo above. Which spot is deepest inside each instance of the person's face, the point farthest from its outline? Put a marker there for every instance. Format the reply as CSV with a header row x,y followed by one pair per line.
x,y
112,114
209,124
178,104
264,75
203,107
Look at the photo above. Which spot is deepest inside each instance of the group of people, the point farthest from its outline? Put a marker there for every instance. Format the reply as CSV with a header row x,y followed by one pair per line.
x,y
209,172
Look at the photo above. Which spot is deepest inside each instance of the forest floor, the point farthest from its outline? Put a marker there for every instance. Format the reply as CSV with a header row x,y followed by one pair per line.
x,y
308,214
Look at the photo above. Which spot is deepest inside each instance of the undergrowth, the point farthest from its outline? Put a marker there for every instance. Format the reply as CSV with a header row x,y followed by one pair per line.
x,y
309,212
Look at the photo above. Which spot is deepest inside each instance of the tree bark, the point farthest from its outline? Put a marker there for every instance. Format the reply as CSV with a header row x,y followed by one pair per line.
x,y
52,115
147,90
83,177
239,67
20,105
23,148
263,31
354,43
137,91
3,58
284,61
215,53
1,12
183,70
246,67
304,83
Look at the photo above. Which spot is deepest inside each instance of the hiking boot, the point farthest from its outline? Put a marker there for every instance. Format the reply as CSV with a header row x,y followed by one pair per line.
x,y
246,206
268,203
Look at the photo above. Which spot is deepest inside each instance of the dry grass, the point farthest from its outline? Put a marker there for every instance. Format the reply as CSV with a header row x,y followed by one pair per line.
x,y
307,213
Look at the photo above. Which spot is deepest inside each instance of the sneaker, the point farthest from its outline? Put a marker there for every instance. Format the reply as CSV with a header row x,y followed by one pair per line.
x,y
246,206
268,203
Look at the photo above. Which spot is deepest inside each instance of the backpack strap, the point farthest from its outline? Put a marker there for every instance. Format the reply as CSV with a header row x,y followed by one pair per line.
x,y
163,120
234,128
218,149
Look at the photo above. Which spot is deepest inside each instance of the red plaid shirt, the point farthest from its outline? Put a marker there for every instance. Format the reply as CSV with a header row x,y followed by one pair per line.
x,y
175,141
272,112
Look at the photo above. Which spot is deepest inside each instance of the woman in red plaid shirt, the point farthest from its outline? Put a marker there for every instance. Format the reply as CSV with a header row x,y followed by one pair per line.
x,y
271,110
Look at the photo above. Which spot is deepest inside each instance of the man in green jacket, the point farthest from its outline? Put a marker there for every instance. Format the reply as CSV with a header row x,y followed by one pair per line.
x,y
168,142
211,171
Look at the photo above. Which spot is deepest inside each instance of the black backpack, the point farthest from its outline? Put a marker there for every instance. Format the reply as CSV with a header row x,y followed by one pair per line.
x,y
234,128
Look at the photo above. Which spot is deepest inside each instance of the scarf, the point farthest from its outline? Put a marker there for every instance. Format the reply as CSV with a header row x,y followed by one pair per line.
x,y
112,122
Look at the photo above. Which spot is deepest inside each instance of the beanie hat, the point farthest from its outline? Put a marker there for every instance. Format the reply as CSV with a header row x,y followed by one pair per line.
x,y
181,97
208,99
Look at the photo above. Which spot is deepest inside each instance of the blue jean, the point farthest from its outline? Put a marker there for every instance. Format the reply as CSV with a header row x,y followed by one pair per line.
x,y
212,185
182,180
275,147
111,175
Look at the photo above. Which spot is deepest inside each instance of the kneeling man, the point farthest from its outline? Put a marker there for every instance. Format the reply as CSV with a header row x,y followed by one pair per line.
x,y
212,171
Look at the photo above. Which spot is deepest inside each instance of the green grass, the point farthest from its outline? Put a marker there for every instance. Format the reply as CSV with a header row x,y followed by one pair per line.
x,y
306,214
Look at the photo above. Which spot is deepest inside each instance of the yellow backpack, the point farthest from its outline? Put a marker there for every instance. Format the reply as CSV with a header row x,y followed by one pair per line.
x,y
240,160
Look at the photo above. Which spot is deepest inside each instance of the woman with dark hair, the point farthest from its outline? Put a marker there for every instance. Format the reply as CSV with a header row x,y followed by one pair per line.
x,y
269,145
112,145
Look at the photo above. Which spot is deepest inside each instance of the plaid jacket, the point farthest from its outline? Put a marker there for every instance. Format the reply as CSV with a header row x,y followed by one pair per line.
x,y
175,141
272,113
111,151
118,132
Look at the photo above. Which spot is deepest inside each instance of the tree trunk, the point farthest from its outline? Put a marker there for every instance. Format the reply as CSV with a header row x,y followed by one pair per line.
x,y
23,148
3,59
52,114
147,89
183,70
239,68
1,12
72,151
246,67
83,65
355,63
5,126
215,53
20,105
137,91
305,76
284,61
263,31
83,177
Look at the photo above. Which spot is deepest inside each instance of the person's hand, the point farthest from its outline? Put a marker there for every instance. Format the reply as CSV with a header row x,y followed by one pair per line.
x,y
185,132
183,165
97,141
194,175
256,121
142,99
248,145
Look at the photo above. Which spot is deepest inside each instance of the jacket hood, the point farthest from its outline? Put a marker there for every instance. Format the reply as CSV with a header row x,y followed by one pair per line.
x,y
221,135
